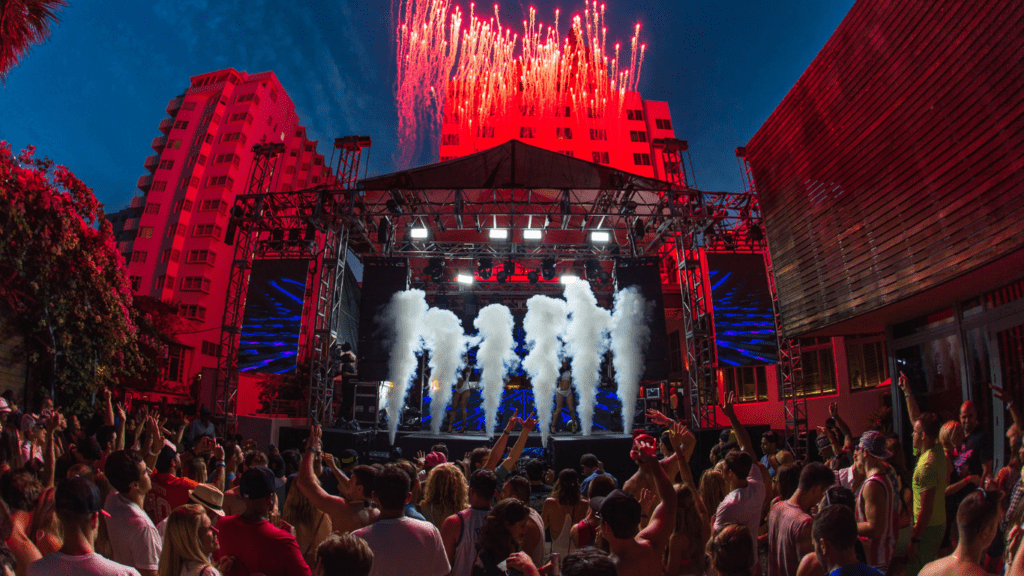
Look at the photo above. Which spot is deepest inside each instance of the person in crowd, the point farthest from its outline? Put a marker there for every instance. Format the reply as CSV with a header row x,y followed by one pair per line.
x,y
686,546
787,480
460,400
501,536
877,510
78,505
430,461
169,491
201,426
712,489
190,542
539,490
312,526
978,521
930,479
639,552
346,515
842,451
790,522
445,494
770,447
730,552
582,562
951,436
585,532
134,539
834,496
343,555
563,510
256,545
401,545
45,529
460,532
533,540
564,395
835,538
592,468
415,489
743,503
20,490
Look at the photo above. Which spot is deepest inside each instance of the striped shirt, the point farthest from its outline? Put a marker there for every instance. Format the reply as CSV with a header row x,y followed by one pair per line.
x,y
879,551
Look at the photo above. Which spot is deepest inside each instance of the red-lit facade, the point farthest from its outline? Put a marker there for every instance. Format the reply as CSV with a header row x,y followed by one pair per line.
x,y
173,236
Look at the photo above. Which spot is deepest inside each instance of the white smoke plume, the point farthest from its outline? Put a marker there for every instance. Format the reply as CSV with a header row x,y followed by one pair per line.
x,y
447,342
585,341
629,337
496,355
404,315
545,318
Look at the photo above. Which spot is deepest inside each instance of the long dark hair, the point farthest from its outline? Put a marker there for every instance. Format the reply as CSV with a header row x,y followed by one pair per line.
x,y
496,538
567,488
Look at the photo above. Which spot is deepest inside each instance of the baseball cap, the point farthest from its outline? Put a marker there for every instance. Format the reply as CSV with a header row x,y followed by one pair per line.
x,y
256,482
770,436
618,509
4,406
433,459
28,422
823,442
79,496
873,442
349,456
208,497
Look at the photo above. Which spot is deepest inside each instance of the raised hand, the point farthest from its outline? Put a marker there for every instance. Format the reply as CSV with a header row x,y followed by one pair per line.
x,y
659,418
647,501
511,422
833,409
903,383
530,423
119,410
329,459
644,447
727,404
1000,393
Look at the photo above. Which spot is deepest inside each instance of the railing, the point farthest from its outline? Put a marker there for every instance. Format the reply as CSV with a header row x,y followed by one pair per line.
x,y
138,203
152,162
131,224
125,246
145,182
174,105
158,143
166,124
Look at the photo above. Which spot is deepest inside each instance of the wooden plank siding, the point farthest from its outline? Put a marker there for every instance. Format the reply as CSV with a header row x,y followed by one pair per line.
x,y
895,163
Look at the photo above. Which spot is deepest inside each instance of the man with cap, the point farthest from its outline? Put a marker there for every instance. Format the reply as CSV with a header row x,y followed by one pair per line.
x,y
877,505
134,540
341,468
638,552
257,545
345,515
591,467
201,426
169,491
77,505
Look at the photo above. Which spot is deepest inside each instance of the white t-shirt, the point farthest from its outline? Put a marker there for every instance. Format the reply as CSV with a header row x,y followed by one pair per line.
x,y
405,546
58,564
134,540
197,569
743,506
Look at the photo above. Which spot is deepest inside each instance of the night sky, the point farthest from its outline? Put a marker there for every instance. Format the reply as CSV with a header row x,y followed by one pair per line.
x,y
92,96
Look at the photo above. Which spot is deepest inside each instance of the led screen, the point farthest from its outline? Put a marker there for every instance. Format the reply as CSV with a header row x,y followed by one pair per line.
x,y
273,316
742,304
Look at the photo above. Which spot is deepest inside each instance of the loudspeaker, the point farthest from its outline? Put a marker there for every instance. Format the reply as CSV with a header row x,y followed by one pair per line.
x,y
644,273
382,278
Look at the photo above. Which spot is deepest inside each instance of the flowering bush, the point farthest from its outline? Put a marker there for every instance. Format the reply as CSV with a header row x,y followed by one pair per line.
x,y
62,280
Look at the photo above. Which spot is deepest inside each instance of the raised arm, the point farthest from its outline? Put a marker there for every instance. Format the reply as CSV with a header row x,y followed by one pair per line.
x,y
742,436
683,441
663,520
517,449
108,413
912,408
499,447
307,479
1008,401
55,423
848,441
119,441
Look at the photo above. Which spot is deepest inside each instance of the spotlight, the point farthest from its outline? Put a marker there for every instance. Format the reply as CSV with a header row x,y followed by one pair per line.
x,y
484,268
569,278
418,233
604,276
465,278
600,236
502,277
498,234
393,206
592,268
532,276
639,229
435,269
547,269
532,234
509,267
756,233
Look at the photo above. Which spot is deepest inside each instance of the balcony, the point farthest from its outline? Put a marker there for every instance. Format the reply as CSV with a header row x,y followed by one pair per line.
x,y
165,125
138,203
152,162
158,144
174,105
145,182
126,246
131,224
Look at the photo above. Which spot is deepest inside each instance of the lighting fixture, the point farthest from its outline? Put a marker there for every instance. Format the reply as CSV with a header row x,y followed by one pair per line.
x,y
600,236
533,276
484,267
498,233
418,233
592,268
435,269
569,278
532,234
547,269
465,278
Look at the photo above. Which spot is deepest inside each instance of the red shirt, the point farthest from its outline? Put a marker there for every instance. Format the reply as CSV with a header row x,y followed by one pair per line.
x,y
259,547
168,493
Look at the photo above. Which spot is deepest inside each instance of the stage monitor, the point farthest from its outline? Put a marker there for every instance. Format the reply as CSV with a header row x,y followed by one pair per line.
x,y
269,342
742,304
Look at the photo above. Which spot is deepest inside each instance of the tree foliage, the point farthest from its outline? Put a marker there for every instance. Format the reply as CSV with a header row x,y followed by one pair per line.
x,y
22,24
62,279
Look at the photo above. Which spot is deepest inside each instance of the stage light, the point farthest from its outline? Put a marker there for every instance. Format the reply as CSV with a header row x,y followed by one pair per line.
x,y
418,233
547,269
435,269
600,236
484,268
639,229
465,278
509,266
498,234
592,268
569,278
502,277
756,233
532,234
604,276
532,276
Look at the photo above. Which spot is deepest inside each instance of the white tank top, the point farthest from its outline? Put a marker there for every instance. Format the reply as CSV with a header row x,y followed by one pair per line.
x,y
472,524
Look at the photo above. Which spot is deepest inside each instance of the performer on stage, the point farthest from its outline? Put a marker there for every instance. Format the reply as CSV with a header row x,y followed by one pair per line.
x,y
460,401
564,394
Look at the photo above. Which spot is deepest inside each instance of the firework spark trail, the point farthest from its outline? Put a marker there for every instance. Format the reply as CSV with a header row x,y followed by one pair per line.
x,y
544,320
404,315
497,353
482,75
629,336
447,343
585,341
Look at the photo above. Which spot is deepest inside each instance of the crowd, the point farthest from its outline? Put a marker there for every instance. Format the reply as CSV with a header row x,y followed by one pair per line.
x,y
141,494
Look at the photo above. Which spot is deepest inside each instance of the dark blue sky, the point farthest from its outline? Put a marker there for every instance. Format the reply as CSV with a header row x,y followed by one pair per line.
x,y
92,96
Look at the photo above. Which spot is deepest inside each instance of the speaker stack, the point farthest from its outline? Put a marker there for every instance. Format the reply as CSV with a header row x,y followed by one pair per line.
x,y
382,278
644,273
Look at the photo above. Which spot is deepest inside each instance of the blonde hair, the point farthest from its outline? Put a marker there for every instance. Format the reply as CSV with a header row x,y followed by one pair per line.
x,y
712,489
446,491
197,470
181,542
44,518
947,433
298,510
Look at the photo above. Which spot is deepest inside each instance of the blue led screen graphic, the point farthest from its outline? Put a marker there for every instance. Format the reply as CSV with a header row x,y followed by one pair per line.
x,y
742,304
273,316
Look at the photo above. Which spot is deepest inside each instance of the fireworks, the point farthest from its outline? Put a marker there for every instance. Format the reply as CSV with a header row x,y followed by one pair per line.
x,y
480,76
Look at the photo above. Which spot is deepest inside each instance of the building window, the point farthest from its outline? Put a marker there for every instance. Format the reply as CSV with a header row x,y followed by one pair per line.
x,y
152,208
174,144
525,110
195,284
561,112
158,186
239,117
305,167
642,159
165,281
318,161
593,112
819,366
663,124
188,106
170,255
175,369
206,230
750,383
166,164
635,115
308,148
175,230
449,139
192,312
233,137
194,182
527,132
213,205
600,157
146,232
211,349
220,181
289,169
598,134
209,139
563,133
201,257
136,282
568,153
183,206
224,159
247,98
637,136
181,124
139,256
866,361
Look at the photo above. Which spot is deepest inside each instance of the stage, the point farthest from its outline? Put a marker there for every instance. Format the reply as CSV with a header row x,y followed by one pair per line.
x,y
563,451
